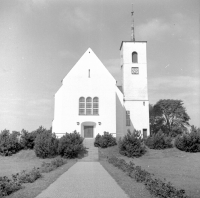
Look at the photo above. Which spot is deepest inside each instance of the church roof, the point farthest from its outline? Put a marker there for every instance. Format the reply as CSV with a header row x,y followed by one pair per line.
x,y
120,88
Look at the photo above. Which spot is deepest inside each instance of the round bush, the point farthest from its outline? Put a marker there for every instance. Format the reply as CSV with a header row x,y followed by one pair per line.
x,y
71,145
46,145
105,140
132,145
188,142
159,141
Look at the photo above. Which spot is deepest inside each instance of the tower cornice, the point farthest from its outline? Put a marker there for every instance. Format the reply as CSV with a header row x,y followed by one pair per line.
x,y
131,42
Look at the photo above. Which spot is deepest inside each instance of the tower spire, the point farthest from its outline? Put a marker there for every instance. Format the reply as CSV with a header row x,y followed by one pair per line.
x,y
132,26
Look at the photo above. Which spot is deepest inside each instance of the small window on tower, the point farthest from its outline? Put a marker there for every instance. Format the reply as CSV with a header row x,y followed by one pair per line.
x,y
134,57
135,70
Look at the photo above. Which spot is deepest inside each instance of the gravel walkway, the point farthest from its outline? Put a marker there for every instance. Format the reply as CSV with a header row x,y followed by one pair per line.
x,y
86,179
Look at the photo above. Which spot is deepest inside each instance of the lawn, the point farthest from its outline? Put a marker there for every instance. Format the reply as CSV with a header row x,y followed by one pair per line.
x,y
26,160
180,168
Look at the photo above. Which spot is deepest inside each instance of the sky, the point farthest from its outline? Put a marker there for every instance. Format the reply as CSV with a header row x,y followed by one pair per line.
x,y
41,40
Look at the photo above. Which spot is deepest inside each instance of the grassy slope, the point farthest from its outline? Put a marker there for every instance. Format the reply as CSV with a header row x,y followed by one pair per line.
x,y
180,168
26,160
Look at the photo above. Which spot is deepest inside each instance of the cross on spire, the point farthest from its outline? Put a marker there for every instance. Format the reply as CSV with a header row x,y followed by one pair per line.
x,y
132,26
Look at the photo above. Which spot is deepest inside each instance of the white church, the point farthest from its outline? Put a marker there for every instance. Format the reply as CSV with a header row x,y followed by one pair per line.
x,y
90,101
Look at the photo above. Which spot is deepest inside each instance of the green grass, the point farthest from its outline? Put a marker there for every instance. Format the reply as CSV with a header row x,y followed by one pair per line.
x,y
26,160
180,168
130,186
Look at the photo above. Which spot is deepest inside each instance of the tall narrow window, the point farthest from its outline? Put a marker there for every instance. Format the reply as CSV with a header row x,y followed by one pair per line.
x,y
134,57
95,106
128,121
81,106
88,106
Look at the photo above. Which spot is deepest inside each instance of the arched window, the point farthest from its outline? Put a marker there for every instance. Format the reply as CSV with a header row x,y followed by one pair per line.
x,y
88,106
95,106
81,106
134,57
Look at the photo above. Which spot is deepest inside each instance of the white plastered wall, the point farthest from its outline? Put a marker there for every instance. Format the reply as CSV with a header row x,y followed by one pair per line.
x,y
78,84
139,115
120,114
135,87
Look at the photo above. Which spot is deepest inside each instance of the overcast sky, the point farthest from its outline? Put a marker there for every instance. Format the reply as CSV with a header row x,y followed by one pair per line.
x,y
41,40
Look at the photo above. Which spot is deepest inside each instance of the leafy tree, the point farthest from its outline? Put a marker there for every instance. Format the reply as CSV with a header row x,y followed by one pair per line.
x,y
172,114
155,118
9,142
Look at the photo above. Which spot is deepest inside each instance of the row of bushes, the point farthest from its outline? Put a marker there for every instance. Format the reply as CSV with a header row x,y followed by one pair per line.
x,y
8,186
156,187
50,166
188,142
11,143
130,145
44,143
133,145
70,145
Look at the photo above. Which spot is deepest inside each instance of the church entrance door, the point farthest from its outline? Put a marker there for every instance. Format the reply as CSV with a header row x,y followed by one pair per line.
x,y
88,131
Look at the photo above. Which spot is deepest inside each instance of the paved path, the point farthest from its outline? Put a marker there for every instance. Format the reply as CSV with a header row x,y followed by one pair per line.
x,y
85,179
92,155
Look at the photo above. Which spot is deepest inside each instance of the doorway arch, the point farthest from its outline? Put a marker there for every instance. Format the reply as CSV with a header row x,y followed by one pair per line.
x,y
88,129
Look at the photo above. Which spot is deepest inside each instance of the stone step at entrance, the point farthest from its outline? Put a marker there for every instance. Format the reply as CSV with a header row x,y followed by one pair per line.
x,y
92,152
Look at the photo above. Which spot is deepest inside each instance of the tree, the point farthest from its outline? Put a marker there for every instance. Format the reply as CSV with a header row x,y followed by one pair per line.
x,y
172,113
155,119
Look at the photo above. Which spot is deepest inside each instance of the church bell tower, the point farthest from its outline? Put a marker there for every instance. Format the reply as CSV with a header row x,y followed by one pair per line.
x,y
133,58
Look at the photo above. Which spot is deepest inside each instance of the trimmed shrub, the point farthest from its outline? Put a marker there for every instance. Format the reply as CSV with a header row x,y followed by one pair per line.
x,y
132,145
46,145
159,141
189,142
9,142
50,166
8,186
156,187
105,140
71,145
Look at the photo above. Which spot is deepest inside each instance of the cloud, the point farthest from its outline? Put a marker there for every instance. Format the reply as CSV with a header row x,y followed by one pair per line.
x,y
155,28
76,18
66,54
113,66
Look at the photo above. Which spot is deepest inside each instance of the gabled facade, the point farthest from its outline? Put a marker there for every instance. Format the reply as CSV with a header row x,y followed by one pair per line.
x,y
90,102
